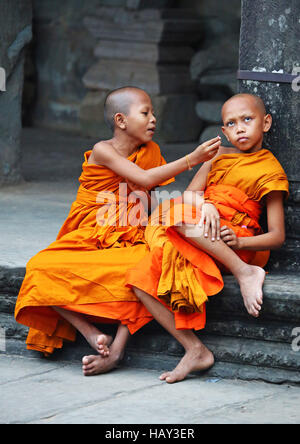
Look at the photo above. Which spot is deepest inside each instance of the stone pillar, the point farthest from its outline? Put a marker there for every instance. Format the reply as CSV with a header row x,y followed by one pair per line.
x,y
15,33
269,42
150,49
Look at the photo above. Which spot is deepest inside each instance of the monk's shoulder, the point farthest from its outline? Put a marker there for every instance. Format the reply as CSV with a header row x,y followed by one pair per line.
x,y
101,152
269,158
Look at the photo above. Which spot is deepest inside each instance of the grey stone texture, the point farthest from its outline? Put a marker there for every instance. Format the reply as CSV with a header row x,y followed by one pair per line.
x,y
63,51
270,37
129,396
83,47
150,49
15,34
209,111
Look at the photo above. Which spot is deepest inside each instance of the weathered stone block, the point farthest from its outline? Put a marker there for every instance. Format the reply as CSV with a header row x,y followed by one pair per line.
x,y
141,4
134,28
209,111
91,115
220,56
143,52
177,120
155,79
221,78
63,53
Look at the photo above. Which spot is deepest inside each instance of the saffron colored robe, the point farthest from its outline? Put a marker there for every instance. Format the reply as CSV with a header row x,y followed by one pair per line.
x,y
84,269
182,276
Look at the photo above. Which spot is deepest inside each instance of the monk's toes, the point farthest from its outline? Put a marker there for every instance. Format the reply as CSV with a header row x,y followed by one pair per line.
x,y
86,360
174,377
164,376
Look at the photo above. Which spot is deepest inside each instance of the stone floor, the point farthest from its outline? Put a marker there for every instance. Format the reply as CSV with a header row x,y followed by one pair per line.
x,y
37,391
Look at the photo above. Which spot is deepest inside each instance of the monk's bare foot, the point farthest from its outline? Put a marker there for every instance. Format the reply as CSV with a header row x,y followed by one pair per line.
x,y
99,341
195,359
251,283
96,365
103,343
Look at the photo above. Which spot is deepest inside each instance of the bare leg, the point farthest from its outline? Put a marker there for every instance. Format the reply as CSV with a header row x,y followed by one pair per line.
x,y
197,356
249,277
95,365
97,340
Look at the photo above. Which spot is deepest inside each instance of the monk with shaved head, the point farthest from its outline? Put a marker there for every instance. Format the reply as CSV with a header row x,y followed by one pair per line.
x,y
79,280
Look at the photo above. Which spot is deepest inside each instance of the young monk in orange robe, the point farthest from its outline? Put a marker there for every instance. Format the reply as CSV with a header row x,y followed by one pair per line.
x,y
190,245
79,279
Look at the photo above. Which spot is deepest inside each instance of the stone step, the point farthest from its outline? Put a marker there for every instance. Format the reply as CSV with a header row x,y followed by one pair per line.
x,y
244,347
281,298
235,356
132,28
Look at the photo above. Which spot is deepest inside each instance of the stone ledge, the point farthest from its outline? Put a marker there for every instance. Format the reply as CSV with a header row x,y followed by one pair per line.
x,y
281,298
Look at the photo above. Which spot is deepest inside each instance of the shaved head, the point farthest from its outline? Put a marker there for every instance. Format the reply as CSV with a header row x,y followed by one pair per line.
x,y
119,101
250,98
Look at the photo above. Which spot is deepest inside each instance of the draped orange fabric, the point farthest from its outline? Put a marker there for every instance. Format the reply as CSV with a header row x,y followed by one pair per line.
x,y
84,269
182,276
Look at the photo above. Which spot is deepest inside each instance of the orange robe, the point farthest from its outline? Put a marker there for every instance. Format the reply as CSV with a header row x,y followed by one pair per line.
x,y
84,269
182,276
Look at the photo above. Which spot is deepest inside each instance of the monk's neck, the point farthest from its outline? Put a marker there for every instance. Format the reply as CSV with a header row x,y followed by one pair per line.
x,y
125,146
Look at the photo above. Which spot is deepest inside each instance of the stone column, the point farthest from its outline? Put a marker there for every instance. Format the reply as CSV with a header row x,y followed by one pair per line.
x,y
150,49
15,33
269,42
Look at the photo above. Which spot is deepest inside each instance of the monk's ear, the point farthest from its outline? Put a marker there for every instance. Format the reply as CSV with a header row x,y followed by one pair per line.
x,y
120,121
224,132
267,122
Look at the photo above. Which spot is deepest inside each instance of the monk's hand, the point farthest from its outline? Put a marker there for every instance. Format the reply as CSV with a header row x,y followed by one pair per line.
x,y
229,237
211,218
206,151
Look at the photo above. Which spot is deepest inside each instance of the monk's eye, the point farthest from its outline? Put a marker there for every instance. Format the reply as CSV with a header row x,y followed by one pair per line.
x,y
231,123
248,119
145,113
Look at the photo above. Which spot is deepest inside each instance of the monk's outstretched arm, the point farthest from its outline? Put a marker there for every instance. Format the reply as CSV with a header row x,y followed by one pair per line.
x,y
152,177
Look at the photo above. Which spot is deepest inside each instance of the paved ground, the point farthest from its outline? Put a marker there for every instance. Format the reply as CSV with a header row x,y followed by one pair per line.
x,y
37,391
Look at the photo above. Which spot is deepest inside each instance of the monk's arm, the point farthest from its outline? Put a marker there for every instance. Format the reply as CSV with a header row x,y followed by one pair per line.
x,y
154,176
200,179
198,182
275,236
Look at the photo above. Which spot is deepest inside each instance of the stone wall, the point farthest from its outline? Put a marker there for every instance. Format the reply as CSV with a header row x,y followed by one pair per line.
x,y
150,49
215,63
15,34
83,49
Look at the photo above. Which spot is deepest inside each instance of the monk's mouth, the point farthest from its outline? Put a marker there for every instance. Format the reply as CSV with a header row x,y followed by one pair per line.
x,y
242,139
